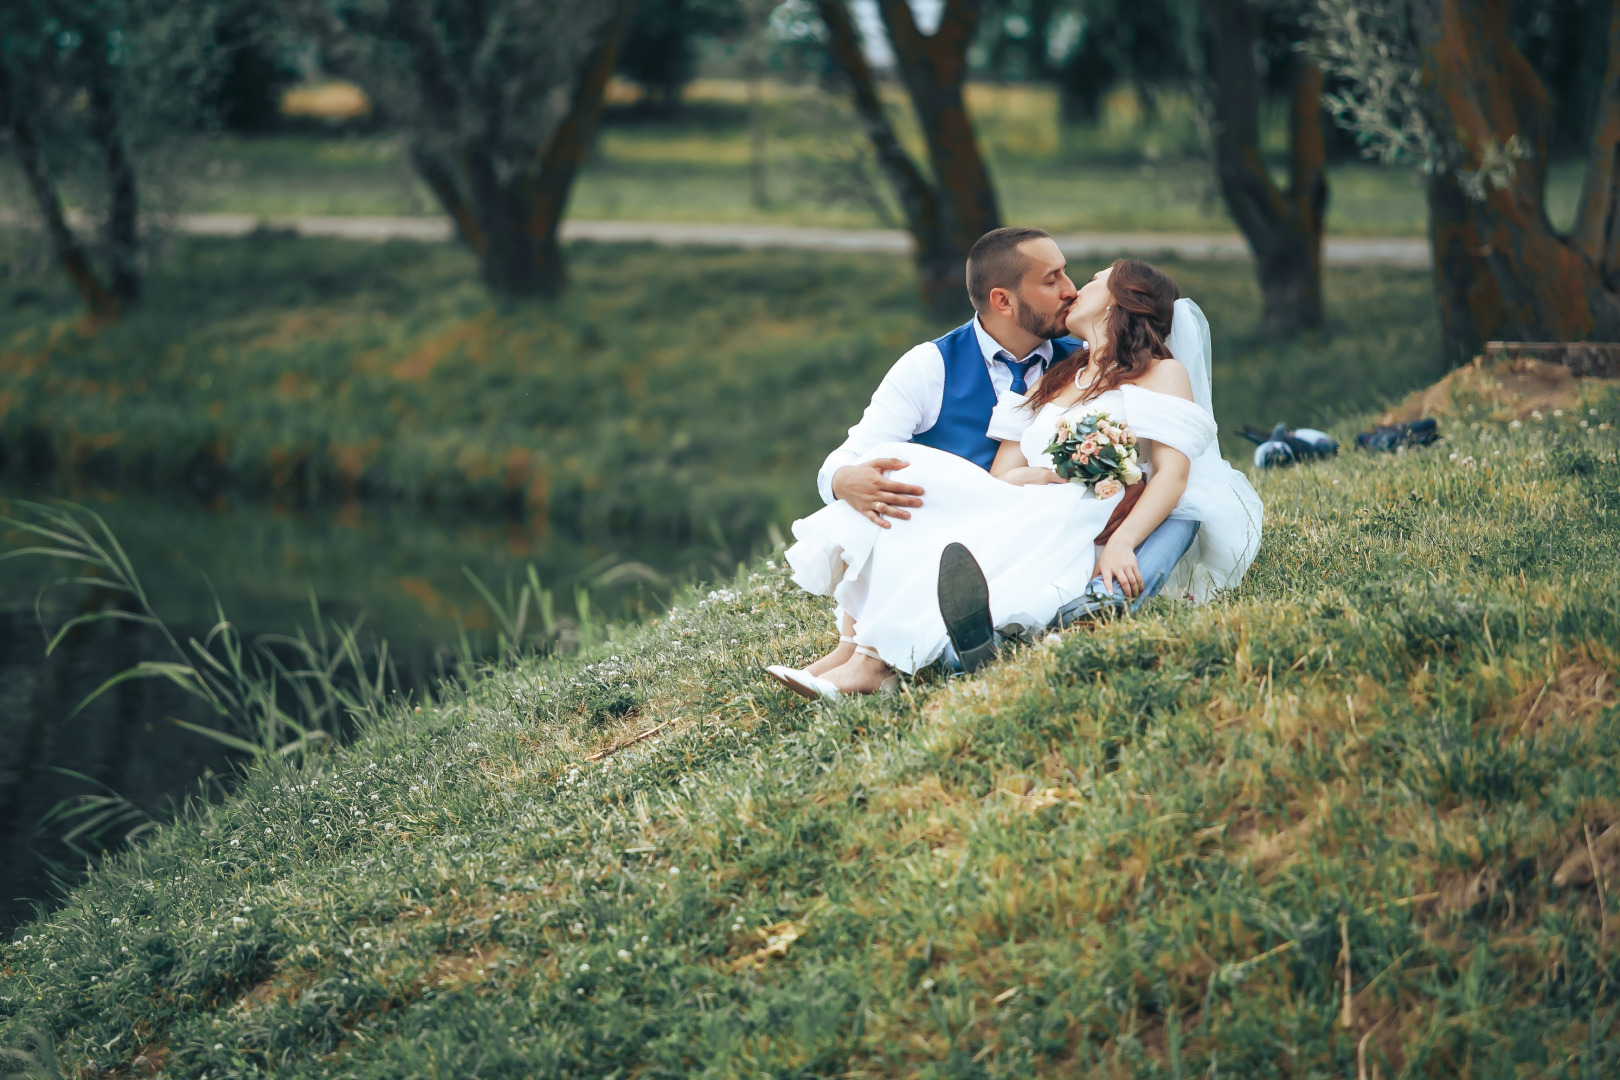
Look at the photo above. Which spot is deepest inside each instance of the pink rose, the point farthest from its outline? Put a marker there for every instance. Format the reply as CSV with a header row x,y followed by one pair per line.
x,y
1089,445
1108,488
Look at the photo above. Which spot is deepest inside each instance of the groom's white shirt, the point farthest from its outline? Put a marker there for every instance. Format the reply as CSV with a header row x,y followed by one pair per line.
x,y
906,403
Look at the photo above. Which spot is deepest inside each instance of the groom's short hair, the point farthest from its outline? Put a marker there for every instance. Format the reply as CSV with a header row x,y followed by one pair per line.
x,y
996,263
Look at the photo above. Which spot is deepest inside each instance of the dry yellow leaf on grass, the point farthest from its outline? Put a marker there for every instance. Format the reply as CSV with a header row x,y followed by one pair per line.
x,y
778,937
1040,800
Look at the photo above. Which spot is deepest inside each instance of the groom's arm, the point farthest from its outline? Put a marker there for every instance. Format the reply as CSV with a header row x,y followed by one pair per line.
x,y
905,403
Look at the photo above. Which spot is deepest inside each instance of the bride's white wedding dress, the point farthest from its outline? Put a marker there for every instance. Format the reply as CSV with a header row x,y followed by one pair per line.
x,y
1035,543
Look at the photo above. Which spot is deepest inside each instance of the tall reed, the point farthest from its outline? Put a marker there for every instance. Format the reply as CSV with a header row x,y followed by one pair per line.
x,y
276,694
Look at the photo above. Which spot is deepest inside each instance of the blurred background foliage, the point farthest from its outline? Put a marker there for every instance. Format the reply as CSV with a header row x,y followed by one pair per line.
x,y
1090,114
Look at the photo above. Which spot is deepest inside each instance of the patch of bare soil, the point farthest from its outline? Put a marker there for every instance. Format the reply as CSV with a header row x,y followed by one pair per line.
x,y
1511,388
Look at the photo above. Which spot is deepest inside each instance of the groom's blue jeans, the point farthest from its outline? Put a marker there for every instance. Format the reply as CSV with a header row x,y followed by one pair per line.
x,y
1155,558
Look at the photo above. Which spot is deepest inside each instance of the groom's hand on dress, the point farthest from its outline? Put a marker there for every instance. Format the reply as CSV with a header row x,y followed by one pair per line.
x,y
870,491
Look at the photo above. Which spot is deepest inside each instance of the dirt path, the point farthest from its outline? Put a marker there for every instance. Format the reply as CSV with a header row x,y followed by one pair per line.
x,y
1365,251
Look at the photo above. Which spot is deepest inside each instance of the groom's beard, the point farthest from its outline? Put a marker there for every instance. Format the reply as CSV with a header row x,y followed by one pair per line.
x,y
1031,322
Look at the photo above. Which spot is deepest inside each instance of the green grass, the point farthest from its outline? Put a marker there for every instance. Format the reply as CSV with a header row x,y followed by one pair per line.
x,y
1152,849
1128,172
671,393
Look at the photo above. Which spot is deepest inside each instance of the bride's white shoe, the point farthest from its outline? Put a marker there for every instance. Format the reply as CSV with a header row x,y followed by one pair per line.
x,y
803,683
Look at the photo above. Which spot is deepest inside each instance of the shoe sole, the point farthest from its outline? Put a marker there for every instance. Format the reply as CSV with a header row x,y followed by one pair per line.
x,y
1095,612
787,677
964,604
775,671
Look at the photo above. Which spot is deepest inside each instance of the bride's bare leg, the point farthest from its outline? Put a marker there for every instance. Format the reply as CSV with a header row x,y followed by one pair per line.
x,y
840,655
862,674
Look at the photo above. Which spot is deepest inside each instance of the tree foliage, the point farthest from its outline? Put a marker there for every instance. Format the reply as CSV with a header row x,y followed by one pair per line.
x,y
660,48
1086,47
254,72
91,92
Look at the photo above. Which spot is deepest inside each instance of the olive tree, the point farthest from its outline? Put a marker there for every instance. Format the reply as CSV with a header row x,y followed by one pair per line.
x,y
1443,84
1283,224
91,91
952,202
500,99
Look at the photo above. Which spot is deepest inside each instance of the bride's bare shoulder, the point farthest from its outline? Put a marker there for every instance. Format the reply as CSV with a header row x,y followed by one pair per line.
x,y
1166,375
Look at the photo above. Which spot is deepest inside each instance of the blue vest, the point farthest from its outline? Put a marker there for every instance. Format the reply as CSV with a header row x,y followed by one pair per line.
x,y
969,397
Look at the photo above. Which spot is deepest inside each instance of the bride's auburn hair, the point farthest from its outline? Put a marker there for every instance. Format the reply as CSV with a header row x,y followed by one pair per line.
x,y
1143,307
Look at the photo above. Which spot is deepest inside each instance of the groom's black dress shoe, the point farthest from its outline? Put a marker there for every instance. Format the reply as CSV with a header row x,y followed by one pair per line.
x,y
964,603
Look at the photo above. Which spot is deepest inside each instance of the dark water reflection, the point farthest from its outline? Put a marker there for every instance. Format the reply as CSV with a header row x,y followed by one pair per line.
x,y
401,569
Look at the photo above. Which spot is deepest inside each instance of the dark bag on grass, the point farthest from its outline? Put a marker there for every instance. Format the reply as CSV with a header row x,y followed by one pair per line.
x,y
1410,433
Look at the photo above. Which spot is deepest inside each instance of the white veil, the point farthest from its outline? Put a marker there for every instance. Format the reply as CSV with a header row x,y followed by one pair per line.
x,y
1220,498
1189,343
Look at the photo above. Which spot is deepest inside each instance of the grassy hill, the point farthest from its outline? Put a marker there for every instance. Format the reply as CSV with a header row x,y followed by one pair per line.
x,y
1159,848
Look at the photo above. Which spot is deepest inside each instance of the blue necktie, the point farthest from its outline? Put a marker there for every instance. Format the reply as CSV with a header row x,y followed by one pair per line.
x,y
1018,367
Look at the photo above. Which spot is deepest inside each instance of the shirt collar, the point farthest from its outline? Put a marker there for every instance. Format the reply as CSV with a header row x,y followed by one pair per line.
x,y
990,347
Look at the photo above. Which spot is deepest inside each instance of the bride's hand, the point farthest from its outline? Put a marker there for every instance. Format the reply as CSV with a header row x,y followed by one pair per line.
x,y
1118,563
1032,474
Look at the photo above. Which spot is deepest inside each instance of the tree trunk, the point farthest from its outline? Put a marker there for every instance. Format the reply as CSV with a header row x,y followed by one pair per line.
x,y
758,15
123,203
1466,294
1501,271
65,244
1283,228
1597,224
933,69
947,215
509,217
546,190
941,271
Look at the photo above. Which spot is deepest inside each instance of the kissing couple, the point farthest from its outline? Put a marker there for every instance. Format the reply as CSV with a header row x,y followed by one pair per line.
x,y
951,520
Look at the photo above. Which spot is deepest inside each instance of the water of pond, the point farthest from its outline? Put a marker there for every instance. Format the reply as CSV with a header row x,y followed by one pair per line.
x,y
401,568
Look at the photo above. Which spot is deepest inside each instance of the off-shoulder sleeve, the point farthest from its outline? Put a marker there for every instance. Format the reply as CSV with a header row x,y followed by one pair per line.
x,y
1175,422
1010,418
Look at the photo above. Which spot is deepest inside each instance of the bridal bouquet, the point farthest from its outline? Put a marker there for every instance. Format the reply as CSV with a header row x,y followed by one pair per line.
x,y
1096,451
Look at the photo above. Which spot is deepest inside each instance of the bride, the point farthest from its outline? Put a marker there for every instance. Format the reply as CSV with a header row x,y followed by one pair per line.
x,y
1031,532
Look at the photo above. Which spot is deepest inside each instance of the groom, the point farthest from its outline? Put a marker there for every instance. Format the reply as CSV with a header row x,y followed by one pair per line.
x,y
941,394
